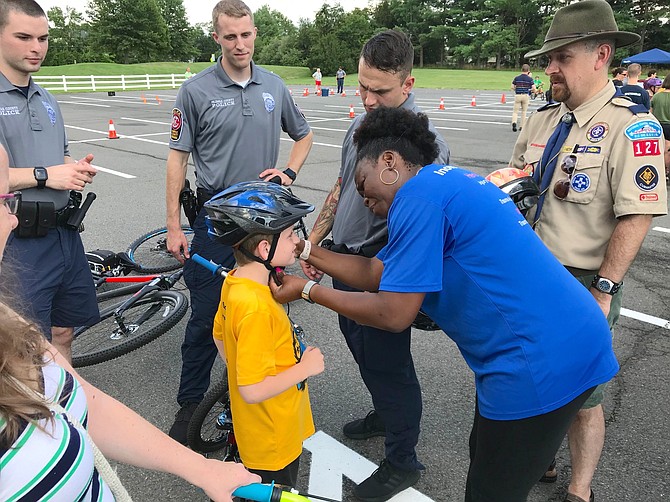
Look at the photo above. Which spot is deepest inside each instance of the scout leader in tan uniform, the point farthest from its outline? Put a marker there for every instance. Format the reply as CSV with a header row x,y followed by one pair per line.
x,y
598,159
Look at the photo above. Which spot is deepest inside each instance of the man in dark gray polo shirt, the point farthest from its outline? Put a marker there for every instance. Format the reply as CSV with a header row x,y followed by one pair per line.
x,y
229,117
385,362
56,285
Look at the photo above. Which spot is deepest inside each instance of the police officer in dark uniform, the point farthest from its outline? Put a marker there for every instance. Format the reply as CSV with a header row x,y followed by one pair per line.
x,y
53,271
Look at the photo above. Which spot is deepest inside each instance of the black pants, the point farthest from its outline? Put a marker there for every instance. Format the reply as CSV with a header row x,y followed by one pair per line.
x,y
385,362
508,457
288,476
198,350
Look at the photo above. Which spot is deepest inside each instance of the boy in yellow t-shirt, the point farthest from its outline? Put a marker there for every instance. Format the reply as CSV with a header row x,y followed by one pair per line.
x,y
266,361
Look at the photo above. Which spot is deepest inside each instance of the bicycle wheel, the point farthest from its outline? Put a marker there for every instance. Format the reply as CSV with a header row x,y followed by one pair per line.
x,y
143,322
211,425
150,253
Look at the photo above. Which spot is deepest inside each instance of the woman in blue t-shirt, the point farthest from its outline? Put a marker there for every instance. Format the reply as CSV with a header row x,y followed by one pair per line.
x,y
460,251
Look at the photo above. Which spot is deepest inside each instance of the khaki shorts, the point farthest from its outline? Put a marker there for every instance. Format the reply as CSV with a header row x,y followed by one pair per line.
x,y
598,394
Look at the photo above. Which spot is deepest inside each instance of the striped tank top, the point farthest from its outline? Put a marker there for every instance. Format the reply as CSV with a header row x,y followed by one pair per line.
x,y
54,463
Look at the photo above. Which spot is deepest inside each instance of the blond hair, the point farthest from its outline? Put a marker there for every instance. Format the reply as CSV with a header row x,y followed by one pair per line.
x,y
22,351
230,8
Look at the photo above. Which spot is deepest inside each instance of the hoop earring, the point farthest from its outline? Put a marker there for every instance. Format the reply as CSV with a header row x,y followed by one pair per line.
x,y
397,176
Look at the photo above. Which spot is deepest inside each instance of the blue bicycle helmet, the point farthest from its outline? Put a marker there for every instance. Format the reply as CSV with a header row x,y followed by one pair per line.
x,y
251,208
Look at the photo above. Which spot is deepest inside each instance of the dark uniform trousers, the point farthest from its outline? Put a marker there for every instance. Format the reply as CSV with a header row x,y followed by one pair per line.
x,y
386,365
198,351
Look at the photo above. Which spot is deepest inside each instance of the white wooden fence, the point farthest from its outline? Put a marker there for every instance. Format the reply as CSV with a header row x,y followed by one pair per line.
x,y
69,83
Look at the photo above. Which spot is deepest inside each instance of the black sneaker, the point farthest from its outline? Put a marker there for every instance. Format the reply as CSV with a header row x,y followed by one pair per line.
x,y
514,126
181,420
386,482
365,428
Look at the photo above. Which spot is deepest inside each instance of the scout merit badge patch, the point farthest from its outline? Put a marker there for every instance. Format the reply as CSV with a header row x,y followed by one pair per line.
x,y
645,129
580,182
597,132
177,123
646,178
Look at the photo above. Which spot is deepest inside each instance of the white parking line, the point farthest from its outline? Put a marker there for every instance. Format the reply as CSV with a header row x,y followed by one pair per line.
x,y
146,121
82,104
661,229
656,321
115,173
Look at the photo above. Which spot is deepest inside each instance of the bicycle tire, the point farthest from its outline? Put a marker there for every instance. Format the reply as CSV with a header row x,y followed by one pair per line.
x,y
149,252
148,319
203,434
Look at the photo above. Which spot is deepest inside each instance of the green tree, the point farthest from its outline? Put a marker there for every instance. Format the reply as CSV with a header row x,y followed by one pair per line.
x,y
203,42
67,37
276,43
128,31
180,35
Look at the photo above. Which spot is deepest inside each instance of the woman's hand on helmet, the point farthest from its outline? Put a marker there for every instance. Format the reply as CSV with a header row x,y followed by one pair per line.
x,y
289,290
310,271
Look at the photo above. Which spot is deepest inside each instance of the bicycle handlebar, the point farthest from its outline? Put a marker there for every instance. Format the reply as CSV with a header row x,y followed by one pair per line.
x,y
267,493
214,268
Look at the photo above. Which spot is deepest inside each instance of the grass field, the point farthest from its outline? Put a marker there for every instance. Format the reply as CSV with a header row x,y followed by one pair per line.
x,y
293,75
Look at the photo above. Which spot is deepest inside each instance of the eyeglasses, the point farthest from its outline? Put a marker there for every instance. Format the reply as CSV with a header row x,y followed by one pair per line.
x,y
12,201
562,187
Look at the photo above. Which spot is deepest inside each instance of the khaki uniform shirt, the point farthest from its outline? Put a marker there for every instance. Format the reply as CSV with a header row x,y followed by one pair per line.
x,y
618,172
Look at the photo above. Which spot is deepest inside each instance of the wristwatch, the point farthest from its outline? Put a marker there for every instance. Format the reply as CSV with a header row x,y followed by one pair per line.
x,y
306,290
290,173
41,175
605,285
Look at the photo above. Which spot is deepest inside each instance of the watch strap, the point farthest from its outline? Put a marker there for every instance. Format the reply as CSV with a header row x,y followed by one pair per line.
x,y
306,251
41,176
306,291
290,173
614,286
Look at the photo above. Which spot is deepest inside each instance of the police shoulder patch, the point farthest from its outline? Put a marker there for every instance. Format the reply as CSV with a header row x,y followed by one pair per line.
x,y
177,124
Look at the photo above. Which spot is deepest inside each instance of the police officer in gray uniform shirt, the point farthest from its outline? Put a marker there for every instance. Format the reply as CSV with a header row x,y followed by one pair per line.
x,y
385,362
56,284
229,117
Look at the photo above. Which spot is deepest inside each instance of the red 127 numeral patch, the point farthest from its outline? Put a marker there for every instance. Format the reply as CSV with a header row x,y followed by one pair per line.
x,y
646,147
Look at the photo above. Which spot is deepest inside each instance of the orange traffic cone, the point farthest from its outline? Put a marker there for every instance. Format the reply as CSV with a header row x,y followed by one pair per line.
x,y
344,93
112,130
351,112
503,100
144,99
158,100
358,92
441,104
305,92
473,102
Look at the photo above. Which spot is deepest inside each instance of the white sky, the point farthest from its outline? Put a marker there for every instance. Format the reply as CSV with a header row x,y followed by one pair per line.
x,y
201,10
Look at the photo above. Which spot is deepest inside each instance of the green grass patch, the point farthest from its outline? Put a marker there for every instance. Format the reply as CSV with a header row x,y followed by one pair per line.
x,y
431,78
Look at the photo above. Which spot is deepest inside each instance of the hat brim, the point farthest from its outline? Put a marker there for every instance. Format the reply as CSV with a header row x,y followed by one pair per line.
x,y
621,38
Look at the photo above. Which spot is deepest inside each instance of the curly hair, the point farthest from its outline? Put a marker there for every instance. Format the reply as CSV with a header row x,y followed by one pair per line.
x,y
21,356
399,130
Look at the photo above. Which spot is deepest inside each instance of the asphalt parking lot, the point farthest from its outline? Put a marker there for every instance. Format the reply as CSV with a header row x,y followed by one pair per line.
x,y
130,189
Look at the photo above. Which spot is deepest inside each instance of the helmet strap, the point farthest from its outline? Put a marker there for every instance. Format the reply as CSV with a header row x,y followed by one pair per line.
x,y
266,263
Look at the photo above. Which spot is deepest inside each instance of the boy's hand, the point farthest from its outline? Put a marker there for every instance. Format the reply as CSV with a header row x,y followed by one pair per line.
x,y
312,359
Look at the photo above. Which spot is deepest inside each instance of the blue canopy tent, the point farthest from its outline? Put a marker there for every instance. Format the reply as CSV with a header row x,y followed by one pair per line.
x,y
652,56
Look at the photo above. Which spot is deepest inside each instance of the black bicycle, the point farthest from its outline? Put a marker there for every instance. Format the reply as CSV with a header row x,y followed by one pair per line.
x,y
149,307
149,252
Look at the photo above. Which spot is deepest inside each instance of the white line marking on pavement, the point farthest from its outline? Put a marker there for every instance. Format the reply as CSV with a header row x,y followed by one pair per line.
x,y
136,138
656,321
82,104
331,461
146,121
115,173
661,229
451,128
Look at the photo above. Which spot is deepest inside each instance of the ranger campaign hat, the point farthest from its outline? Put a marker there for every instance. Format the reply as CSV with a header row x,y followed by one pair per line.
x,y
585,20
